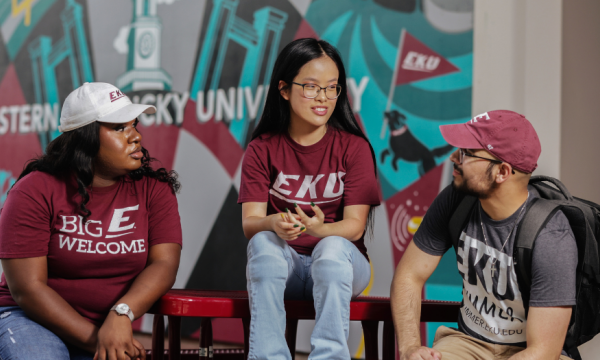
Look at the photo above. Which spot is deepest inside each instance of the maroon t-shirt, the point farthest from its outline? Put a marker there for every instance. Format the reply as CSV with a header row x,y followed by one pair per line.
x,y
91,265
335,172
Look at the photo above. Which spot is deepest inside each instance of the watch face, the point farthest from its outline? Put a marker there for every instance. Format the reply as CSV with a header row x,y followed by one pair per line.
x,y
122,308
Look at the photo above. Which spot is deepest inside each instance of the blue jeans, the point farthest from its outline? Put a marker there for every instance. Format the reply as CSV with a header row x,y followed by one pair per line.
x,y
23,338
335,273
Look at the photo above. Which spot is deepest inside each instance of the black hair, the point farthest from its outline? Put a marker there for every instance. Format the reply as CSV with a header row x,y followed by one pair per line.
x,y
72,154
275,118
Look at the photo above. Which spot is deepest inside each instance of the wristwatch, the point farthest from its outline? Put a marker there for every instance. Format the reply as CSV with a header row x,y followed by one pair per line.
x,y
123,309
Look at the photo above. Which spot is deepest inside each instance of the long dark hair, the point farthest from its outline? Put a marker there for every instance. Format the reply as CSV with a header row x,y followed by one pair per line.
x,y
275,118
73,153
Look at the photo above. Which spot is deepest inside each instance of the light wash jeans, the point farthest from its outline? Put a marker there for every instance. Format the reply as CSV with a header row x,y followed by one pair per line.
x,y
23,338
335,273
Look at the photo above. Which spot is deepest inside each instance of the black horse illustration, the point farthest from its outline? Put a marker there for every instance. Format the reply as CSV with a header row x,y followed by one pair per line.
x,y
406,147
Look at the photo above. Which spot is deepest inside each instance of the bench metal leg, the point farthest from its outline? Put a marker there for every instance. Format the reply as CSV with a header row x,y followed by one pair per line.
x,y
389,341
174,338
205,339
246,323
158,337
370,329
291,329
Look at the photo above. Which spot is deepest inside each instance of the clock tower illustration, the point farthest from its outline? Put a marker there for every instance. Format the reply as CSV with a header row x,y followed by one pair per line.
x,y
143,60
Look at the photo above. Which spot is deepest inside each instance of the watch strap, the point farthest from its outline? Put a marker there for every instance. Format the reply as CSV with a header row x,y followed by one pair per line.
x,y
130,315
129,312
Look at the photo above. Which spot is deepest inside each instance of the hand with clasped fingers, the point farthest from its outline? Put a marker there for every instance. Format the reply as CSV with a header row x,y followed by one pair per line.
x,y
313,224
116,341
286,225
421,353
290,226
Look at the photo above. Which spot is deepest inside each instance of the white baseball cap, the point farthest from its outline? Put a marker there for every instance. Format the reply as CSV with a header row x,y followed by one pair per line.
x,y
98,102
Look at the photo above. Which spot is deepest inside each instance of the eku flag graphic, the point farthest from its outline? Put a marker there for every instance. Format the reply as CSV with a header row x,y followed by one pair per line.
x,y
416,61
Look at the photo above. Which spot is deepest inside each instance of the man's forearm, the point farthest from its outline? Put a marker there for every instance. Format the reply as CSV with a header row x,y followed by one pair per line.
x,y
406,311
524,355
534,354
546,331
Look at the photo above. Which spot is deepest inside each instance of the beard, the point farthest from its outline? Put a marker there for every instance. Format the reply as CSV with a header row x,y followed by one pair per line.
x,y
481,189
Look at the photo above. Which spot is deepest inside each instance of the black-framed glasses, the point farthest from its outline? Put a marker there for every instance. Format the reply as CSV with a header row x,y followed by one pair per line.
x,y
462,153
311,91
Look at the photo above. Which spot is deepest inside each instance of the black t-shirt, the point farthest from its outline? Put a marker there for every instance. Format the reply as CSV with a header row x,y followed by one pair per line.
x,y
492,309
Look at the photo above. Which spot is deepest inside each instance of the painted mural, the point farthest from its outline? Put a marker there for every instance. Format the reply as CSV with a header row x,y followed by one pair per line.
x,y
206,66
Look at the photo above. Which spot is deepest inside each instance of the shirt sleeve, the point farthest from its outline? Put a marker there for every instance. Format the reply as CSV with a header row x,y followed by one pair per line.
x,y
433,235
360,182
554,265
255,182
164,224
24,224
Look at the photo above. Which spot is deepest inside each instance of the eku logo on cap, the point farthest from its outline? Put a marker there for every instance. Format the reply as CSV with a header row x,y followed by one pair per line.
x,y
484,116
115,95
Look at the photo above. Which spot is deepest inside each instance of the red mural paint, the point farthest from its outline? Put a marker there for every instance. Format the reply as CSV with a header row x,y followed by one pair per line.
x,y
216,137
137,324
161,142
406,209
305,31
15,148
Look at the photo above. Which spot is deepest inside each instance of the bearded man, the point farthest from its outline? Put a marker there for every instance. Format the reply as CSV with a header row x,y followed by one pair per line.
x,y
497,152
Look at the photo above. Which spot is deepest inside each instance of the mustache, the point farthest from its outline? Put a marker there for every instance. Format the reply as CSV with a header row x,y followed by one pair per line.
x,y
457,169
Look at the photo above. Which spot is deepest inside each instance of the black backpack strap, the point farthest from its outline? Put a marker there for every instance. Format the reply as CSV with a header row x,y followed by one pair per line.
x,y
591,263
538,213
459,218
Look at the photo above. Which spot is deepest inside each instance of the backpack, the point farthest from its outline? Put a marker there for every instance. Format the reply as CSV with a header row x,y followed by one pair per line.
x,y
584,218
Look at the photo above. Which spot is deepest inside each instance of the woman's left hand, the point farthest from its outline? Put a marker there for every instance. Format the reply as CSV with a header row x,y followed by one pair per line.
x,y
140,348
115,340
312,224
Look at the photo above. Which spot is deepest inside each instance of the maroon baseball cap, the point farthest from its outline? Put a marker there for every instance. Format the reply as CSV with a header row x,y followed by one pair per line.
x,y
507,135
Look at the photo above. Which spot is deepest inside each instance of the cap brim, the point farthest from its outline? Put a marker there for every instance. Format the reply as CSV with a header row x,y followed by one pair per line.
x,y
459,136
127,113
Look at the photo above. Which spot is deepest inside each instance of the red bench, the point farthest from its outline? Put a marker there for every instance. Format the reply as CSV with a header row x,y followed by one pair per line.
x,y
234,304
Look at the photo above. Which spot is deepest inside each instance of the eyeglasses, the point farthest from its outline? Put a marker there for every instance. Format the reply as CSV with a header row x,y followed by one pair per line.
x,y
311,91
462,153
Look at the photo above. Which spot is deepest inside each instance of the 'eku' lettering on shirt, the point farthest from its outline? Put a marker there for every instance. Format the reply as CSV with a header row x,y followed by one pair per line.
x,y
309,184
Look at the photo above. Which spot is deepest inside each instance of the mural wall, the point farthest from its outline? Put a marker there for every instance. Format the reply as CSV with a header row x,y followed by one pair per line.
x,y
206,66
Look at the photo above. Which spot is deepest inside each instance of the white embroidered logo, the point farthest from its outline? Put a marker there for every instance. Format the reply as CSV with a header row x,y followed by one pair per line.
x,y
484,116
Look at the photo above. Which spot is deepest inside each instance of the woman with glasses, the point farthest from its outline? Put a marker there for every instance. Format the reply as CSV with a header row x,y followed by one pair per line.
x,y
307,192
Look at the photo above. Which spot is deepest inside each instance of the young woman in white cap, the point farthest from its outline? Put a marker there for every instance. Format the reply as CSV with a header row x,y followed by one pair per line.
x,y
90,236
